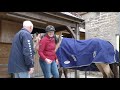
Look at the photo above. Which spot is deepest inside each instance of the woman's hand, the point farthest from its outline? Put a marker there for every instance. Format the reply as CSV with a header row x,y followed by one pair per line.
x,y
48,61
57,62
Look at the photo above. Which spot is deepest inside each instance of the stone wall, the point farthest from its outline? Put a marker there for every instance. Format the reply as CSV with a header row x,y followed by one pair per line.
x,y
104,25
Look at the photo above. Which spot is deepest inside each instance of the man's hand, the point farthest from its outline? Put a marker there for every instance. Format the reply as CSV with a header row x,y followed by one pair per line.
x,y
48,61
31,70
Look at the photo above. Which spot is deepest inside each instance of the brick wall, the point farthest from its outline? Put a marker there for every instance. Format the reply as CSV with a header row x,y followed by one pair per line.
x,y
104,25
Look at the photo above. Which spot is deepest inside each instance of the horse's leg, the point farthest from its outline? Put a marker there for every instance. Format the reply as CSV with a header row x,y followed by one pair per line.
x,y
65,72
101,69
114,68
107,70
60,72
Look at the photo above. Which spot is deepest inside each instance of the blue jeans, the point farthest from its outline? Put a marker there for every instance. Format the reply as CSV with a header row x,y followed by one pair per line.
x,y
49,69
22,75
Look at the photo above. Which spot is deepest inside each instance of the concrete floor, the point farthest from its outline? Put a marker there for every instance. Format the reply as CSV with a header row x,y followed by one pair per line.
x,y
89,74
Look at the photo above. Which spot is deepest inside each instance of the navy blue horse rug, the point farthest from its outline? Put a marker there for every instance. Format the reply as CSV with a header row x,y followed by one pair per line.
x,y
82,53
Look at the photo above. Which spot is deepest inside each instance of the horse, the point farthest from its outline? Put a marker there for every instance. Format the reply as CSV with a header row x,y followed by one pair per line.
x,y
74,53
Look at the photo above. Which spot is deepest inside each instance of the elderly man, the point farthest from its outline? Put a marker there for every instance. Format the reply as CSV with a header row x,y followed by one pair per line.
x,y
21,56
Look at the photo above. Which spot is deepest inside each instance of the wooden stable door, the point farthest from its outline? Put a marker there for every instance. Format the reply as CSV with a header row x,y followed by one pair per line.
x,y
4,54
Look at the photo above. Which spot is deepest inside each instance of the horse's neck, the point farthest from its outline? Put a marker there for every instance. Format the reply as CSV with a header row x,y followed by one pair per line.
x,y
58,44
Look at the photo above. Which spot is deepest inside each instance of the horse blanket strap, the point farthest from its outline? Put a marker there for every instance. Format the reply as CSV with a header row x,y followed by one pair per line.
x,y
78,53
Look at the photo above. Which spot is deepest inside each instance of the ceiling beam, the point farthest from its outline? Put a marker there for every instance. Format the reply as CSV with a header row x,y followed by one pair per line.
x,y
44,18
64,16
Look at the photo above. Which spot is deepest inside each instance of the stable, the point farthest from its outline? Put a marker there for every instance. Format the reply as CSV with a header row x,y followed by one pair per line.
x,y
11,23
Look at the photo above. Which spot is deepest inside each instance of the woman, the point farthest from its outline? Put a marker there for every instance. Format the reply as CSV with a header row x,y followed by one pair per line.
x,y
47,54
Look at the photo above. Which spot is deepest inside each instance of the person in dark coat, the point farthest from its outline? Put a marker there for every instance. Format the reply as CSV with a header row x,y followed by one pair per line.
x,y
21,62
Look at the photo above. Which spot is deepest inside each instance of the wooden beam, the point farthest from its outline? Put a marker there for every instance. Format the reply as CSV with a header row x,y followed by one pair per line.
x,y
68,28
71,31
64,16
77,37
0,31
44,18
66,32
25,18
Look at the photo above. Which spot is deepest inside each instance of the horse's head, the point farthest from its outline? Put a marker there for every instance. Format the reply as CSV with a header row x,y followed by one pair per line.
x,y
59,40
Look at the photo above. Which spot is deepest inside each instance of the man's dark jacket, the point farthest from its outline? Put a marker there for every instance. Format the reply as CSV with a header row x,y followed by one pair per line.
x,y
21,55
